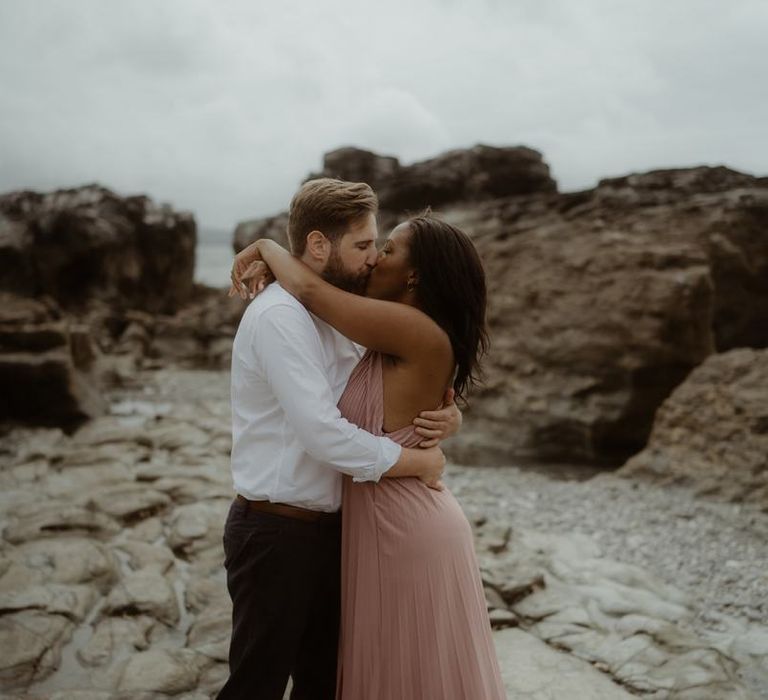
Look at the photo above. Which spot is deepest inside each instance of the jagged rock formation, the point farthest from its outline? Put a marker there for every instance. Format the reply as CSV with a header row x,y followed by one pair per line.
x,y
93,287
461,175
47,365
601,302
82,243
712,432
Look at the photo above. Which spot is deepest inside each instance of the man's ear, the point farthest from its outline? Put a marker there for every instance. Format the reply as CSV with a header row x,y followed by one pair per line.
x,y
318,246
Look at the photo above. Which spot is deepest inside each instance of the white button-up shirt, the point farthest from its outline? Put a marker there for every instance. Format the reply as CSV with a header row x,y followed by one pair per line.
x,y
289,441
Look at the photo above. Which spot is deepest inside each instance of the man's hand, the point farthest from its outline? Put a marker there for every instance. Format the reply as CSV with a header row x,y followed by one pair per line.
x,y
250,273
440,424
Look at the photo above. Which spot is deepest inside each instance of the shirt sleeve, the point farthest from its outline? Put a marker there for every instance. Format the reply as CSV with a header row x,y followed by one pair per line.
x,y
290,353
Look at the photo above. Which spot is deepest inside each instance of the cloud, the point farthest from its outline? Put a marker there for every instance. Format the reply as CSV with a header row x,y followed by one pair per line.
x,y
223,108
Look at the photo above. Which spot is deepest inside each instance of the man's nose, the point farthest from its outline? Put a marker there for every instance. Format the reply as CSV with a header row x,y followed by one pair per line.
x,y
373,258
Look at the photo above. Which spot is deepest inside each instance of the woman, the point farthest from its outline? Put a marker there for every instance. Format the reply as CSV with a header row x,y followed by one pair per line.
x,y
414,620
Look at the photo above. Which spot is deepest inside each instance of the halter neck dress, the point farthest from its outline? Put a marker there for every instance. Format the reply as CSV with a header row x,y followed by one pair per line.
x,y
414,621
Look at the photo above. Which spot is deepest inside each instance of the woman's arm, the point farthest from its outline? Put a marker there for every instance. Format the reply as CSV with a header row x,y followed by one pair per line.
x,y
388,327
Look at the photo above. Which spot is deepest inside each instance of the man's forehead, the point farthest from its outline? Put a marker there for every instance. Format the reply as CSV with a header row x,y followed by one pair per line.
x,y
364,232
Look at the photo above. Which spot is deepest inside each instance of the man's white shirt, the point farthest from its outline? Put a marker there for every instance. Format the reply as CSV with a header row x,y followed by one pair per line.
x,y
290,444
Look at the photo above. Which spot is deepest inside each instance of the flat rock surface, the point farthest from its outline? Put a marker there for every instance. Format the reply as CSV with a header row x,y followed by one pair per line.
x,y
597,587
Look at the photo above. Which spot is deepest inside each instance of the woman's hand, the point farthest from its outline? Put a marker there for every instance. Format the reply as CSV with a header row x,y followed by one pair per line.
x,y
440,424
433,470
250,273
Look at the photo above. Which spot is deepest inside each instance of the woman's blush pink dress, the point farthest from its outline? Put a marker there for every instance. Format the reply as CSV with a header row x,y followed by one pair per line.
x,y
414,622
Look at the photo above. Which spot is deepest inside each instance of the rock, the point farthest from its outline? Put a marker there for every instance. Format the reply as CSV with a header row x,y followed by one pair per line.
x,y
73,602
23,444
211,632
144,591
212,680
273,227
618,617
148,556
712,432
481,172
88,242
173,435
128,503
114,637
502,618
72,482
108,430
602,302
30,646
204,592
531,669
59,560
35,522
358,165
197,526
149,531
45,367
162,671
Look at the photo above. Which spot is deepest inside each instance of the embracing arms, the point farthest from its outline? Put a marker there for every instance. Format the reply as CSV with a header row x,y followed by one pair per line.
x,y
392,328
388,327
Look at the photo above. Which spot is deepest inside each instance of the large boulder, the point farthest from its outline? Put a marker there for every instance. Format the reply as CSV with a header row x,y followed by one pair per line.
x,y
47,365
471,174
358,165
88,242
601,303
467,175
712,432
274,227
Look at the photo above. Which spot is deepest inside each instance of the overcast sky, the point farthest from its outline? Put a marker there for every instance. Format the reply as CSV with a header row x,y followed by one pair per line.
x,y
223,106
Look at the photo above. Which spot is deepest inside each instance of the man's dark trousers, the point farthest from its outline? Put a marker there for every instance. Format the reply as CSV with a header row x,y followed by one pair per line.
x,y
283,575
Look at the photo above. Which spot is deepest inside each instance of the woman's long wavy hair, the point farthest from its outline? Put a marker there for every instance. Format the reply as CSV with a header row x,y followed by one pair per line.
x,y
451,290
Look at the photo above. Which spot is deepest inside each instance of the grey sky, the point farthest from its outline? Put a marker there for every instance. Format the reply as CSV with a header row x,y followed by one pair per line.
x,y
222,107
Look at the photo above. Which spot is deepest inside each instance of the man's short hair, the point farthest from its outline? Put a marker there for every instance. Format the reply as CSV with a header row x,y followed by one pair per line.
x,y
329,206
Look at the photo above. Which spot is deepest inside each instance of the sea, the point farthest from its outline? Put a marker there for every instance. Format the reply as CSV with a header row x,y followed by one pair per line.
x,y
213,257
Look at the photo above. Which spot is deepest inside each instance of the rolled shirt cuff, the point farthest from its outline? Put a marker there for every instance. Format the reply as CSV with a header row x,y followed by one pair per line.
x,y
389,454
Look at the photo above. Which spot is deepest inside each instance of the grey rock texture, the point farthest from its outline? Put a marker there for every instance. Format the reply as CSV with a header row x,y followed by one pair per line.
x,y
86,242
712,432
602,302
99,601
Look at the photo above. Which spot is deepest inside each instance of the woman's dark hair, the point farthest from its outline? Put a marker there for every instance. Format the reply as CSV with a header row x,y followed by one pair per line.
x,y
451,290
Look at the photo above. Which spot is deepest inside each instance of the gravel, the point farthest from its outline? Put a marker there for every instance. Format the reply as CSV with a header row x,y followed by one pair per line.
x,y
717,552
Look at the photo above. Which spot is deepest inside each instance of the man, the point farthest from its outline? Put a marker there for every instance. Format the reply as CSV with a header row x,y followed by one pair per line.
x,y
290,447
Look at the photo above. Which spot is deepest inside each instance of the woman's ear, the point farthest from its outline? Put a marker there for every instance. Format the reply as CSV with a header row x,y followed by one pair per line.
x,y
318,246
412,281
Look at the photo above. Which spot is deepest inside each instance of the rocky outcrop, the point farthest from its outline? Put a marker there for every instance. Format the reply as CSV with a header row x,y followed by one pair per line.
x,y
712,432
93,287
601,303
77,244
463,175
47,365
274,227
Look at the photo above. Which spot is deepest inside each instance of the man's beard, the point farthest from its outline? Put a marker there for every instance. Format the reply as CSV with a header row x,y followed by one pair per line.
x,y
338,276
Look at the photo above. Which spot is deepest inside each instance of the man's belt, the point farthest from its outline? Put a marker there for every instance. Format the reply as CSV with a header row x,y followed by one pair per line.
x,y
313,516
